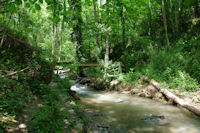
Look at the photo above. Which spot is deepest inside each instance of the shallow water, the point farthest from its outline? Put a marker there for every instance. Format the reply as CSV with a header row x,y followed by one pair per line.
x,y
129,114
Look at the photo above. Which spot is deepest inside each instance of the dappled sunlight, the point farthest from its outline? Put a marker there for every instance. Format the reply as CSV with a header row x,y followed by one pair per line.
x,y
112,120
20,128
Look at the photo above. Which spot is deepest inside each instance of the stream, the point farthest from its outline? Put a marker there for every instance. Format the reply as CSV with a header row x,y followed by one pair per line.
x,y
111,112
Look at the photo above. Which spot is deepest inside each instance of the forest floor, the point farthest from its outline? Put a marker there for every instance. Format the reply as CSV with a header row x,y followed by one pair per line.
x,y
74,122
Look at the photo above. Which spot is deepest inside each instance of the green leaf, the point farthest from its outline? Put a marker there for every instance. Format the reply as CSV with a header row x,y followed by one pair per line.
x,y
56,19
41,1
12,8
18,2
37,7
189,2
48,1
33,10
28,5
33,1
50,7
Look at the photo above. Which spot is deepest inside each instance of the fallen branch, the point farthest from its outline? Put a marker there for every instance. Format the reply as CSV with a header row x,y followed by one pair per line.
x,y
14,73
174,98
20,41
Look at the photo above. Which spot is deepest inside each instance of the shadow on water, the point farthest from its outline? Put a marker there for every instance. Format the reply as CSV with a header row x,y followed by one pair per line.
x,y
123,114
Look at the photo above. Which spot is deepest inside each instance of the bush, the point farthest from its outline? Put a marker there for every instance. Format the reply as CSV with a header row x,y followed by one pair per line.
x,y
184,81
172,68
47,119
130,77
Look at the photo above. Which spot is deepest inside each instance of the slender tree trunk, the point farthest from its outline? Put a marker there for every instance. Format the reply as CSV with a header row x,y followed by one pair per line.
x,y
53,34
100,35
89,32
96,22
123,25
25,18
62,30
196,12
10,17
56,35
150,19
15,20
165,22
76,9
171,18
176,16
107,47
38,31
3,19
19,21
107,37
53,43
107,44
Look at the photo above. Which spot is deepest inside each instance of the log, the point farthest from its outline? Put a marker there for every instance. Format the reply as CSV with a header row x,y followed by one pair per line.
x,y
14,73
174,98
179,101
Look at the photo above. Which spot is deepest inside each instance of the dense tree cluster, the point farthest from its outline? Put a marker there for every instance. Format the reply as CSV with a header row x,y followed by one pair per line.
x,y
120,30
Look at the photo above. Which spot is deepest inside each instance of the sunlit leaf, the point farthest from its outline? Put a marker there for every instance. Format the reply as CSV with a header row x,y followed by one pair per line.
x,y
33,10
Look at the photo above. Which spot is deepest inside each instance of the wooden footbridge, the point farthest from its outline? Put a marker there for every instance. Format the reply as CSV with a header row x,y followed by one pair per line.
x,y
86,64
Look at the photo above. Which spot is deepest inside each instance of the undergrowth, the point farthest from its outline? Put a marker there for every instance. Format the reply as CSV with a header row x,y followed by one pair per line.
x,y
31,81
173,69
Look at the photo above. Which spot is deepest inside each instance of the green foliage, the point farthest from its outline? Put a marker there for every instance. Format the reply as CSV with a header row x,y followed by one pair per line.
x,y
64,83
137,51
93,72
184,81
12,96
110,69
130,77
170,68
47,118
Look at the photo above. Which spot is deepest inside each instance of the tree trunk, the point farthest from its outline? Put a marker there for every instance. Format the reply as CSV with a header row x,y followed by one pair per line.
x,y
25,18
165,22
176,16
123,26
107,44
76,35
53,34
56,36
107,47
171,97
62,30
19,21
107,37
96,22
38,31
150,19
100,35
10,17
196,12
171,18
53,43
